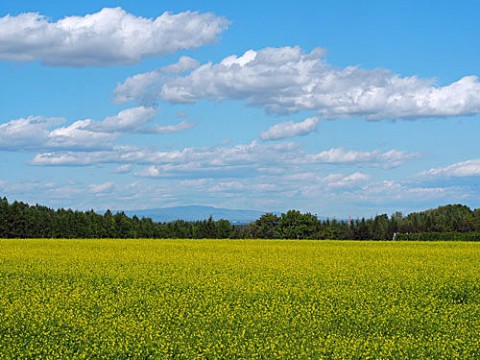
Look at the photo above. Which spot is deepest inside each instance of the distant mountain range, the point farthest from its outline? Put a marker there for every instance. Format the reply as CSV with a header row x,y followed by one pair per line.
x,y
195,213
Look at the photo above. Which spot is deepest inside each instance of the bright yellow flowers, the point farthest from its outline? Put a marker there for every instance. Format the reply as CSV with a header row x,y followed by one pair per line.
x,y
238,299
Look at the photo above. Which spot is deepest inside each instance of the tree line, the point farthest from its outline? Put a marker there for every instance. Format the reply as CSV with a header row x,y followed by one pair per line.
x,y
450,222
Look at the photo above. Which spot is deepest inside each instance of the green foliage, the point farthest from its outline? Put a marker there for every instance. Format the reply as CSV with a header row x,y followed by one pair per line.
x,y
266,226
295,225
20,220
245,299
450,222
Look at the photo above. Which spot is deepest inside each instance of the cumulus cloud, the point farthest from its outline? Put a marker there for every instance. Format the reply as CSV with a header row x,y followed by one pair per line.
x,y
185,63
100,134
109,37
287,80
146,86
461,169
290,129
26,133
127,120
34,133
143,87
79,135
134,120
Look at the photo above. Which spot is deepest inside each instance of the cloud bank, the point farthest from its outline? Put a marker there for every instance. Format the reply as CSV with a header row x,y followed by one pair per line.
x,y
253,158
109,37
37,133
288,80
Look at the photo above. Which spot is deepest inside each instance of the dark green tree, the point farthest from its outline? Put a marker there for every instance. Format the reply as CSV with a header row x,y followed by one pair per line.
x,y
295,225
266,227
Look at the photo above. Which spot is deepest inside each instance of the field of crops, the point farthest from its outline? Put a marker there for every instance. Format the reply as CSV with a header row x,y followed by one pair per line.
x,y
166,299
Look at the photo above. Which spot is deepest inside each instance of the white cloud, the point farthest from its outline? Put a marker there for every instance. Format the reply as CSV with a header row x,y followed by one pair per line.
x,y
287,80
146,86
290,129
79,135
109,37
306,184
241,159
26,133
39,133
169,129
101,188
389,191
388,159
184,64
134,120
305,190
141,86
342,181
315,185
460,169
127,120
67,158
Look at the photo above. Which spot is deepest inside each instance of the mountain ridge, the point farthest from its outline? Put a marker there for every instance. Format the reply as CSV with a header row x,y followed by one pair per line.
x,y
197,213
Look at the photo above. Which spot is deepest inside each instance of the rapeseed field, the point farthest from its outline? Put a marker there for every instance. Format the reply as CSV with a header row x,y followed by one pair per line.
x,y
238,299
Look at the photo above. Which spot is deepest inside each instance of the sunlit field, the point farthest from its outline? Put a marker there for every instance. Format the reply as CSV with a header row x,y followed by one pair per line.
x,y
232,299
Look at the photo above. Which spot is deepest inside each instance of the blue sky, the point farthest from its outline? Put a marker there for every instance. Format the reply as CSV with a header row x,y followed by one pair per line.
x,y
334,107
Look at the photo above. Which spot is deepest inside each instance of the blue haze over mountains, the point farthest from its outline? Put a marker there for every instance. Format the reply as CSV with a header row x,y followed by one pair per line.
x,y
195,213
198,213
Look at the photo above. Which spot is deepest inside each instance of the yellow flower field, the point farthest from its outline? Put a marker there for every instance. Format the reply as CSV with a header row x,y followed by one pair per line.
x,y
238,299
